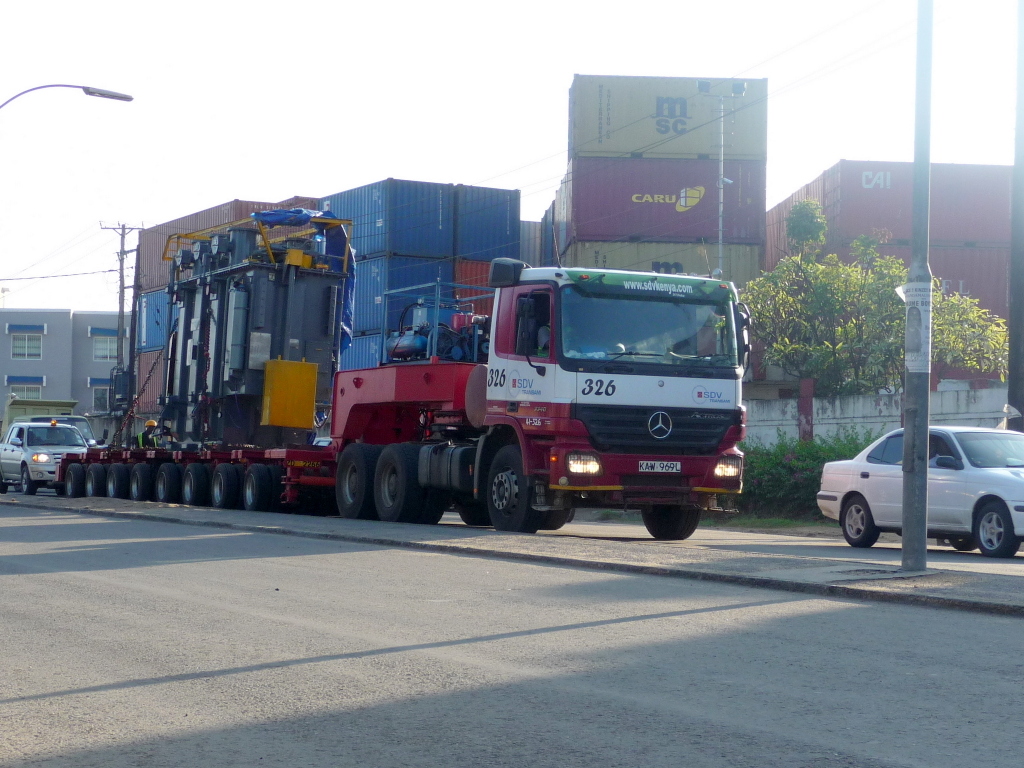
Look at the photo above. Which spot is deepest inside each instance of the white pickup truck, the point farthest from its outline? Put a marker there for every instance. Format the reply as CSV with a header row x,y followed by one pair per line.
x,y
31,451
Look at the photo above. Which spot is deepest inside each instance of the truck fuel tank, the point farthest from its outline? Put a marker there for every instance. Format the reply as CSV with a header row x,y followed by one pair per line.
x,y
447,466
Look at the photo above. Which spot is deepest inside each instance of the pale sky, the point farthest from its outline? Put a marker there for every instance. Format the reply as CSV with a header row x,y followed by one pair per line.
x,y
262,101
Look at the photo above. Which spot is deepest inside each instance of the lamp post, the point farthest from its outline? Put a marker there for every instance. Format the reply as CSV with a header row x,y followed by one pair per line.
x,y
88,90
738,88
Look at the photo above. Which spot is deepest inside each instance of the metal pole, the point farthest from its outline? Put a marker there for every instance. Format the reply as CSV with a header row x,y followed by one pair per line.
x,y
1015,328
721,187
918,294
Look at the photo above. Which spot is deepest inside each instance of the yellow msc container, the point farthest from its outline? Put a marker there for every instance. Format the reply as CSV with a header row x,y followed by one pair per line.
x,y
289,394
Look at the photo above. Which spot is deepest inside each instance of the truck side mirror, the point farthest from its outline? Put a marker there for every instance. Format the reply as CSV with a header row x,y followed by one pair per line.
x,y
743,333
105,433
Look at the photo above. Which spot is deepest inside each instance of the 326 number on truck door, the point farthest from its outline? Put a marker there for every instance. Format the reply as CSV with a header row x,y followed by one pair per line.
x,y
496,377
598,387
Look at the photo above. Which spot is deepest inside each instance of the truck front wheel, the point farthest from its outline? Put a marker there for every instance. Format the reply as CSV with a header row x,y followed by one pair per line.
x,y
671,523
28,485
508,494
353,482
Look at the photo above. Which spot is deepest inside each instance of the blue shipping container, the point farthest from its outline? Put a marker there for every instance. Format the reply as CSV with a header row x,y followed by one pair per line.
x,y
412,218
389,273
529,242
364,353
154,321
486,223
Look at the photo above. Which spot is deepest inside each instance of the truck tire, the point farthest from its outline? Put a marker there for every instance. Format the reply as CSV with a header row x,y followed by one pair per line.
x,y
140,486
28,485
74,481
435,504
119,480
473,513
257,488
555,519
3,486
168,483
195,485
397,492
508,494
353,482
96,480
668,523
225,487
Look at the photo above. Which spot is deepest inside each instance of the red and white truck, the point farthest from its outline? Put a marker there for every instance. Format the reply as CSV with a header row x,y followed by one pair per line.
x,y
585,388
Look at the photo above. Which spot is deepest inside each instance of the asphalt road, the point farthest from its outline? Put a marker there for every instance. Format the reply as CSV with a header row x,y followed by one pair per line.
x,y
131,642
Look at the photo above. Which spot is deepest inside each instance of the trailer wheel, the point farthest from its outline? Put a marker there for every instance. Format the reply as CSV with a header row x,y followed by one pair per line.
x,y
96,480
195,486
74,481
353,482
473,513
141,483
508,494
257,488
435,504
396,485
168,483
669,523
119,479
227,481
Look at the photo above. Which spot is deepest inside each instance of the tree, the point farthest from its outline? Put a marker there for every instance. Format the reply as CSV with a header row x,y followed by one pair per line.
x,y
805,228
843,324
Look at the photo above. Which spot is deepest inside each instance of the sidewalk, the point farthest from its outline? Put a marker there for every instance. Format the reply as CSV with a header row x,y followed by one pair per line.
x,y
607,547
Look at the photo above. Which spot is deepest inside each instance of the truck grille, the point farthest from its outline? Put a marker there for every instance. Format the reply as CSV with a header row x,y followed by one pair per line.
x,y
625,428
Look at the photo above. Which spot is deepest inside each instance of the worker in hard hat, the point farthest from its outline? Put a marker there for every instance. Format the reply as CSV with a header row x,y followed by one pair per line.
x,y
147,438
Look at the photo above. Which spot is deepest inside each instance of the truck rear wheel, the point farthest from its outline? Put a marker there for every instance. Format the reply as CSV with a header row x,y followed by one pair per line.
x,y
168,483
508,494
224,489
118,481
353,482
74,481
141,483
396,485
671,523
96,480
473,513
257,488
195,486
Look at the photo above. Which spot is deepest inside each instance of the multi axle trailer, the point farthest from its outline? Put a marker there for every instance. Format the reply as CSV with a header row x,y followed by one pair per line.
x,y
585,388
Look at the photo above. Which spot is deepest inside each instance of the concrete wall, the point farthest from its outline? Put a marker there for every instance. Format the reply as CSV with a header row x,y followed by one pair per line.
x,y
878,413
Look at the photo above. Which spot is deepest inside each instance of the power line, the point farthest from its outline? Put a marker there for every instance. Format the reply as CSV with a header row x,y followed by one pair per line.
x,y
51,277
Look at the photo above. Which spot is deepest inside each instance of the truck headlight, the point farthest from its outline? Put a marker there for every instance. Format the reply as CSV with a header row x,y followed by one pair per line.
x,y
583,464
41,458
729,466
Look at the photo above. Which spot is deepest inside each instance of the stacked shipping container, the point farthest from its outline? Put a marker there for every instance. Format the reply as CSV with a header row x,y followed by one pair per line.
x,y
969,229
641,190
412,233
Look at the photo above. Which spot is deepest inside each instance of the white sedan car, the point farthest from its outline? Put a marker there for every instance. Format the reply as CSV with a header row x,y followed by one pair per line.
x,y
975,490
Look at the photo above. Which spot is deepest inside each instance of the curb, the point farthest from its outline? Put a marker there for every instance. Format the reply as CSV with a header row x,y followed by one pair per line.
x,y
759,582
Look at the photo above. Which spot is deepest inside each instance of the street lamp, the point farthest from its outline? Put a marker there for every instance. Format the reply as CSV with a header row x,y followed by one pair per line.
x,y
86,89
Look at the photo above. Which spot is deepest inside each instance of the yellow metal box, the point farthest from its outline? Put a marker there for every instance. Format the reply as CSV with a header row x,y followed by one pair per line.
x,y
289,394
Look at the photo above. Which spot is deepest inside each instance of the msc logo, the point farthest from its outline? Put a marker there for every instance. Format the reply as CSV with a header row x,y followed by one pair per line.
x,y
684,201
670,115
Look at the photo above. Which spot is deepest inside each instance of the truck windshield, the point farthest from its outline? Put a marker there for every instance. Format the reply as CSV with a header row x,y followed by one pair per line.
x,y
51,436
671,331
81,424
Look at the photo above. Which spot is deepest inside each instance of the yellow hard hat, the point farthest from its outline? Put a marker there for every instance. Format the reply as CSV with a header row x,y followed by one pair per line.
x,y
151,423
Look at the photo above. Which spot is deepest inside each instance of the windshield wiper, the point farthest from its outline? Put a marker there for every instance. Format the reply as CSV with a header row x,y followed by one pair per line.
x,y
634,353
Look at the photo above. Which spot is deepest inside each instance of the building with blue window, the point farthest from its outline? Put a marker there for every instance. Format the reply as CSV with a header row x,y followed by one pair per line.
x,y
59,354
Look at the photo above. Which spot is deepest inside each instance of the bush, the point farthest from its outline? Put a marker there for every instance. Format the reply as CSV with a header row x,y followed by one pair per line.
x,y
783,480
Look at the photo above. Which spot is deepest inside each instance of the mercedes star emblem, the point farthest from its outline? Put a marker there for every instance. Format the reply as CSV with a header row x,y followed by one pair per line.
x,y
659,425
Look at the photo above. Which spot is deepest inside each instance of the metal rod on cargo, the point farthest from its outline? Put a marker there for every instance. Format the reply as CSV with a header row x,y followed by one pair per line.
x,y
918,296
1015,327
721,187
86,89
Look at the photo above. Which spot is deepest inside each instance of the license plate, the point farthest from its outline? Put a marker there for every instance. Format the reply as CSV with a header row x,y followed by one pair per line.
x,y
661,466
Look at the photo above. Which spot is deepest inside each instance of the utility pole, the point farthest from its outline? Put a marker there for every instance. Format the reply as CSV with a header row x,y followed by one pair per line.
x,y
918,296
1015,373
121,255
